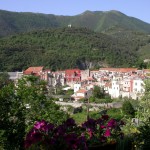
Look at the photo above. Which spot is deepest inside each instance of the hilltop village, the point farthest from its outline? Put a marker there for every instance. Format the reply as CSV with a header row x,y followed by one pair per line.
x,y
116,82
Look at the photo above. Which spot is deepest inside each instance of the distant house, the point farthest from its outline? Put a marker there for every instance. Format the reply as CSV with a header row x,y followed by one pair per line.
x,y
85,74
114,71
72,76
36,71
82,93
115,92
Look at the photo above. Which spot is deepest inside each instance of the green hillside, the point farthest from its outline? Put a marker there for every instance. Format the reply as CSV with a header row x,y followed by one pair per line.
x,y
15,22
68,48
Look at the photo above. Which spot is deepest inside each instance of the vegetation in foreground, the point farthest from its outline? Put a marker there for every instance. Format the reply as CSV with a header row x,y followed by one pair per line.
x,y
17,118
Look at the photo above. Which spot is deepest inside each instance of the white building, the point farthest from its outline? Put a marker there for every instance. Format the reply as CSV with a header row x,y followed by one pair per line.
x,y
115,92
76,87
82,93
138,88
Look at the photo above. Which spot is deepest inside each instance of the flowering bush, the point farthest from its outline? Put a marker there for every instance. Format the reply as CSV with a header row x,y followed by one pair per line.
x,y
69,136
103,130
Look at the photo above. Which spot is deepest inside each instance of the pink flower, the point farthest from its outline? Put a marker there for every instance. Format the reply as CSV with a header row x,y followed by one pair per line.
x,y
90,133
43,126
112,123
102,126
39,124
107,133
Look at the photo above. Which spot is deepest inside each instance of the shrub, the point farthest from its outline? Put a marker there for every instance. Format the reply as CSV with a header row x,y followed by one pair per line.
x,y
68,135
128,109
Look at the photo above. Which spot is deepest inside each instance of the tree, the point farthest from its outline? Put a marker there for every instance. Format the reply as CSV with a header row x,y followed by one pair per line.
x,y
98,92
143,110
4,79
143,114
128,109
12,119
34,95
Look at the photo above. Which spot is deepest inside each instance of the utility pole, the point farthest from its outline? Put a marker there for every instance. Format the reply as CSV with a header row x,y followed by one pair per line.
x,y
88,109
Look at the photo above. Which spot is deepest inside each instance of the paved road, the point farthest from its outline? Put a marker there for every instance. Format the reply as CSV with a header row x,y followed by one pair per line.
x,y
77,104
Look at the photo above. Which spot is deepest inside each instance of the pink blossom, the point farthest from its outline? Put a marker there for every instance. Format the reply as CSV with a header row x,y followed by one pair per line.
x,y
107,133
112,123
102,126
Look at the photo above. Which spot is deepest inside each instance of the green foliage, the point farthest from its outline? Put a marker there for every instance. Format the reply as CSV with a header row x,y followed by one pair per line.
x,y
125,143
128,109
14,22
92,99
68,48
69,92
80,117
4,79
115,113
105,100
21,106
143,114
144,136
33,93
98,92
12,119
143,109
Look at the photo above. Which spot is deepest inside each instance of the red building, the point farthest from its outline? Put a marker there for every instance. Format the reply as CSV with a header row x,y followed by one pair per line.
x,y
73,75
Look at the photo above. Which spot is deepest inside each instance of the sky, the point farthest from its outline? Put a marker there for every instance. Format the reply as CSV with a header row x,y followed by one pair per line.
x,y
135,8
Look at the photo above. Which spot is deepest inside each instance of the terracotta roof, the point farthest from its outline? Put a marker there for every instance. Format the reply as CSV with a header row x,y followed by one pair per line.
x,y
81,91
119,69
72,70
33,70
89,78
108,84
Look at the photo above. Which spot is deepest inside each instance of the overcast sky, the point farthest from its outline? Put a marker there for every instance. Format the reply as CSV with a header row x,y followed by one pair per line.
x,y
135,8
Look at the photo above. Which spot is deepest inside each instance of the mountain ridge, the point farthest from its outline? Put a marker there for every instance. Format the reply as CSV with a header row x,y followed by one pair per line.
x,y
99,21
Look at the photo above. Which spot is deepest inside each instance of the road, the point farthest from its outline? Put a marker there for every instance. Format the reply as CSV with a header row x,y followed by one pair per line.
x,y
77,104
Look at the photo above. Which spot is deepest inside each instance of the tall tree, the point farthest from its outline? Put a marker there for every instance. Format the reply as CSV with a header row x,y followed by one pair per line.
x,y
128,109
98,92
12,119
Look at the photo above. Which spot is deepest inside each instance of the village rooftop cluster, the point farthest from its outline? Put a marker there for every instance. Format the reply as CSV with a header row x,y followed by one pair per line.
x,y
117,82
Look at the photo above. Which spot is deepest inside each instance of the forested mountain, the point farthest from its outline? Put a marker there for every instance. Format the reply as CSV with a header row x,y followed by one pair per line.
x,y
15,22
63,48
